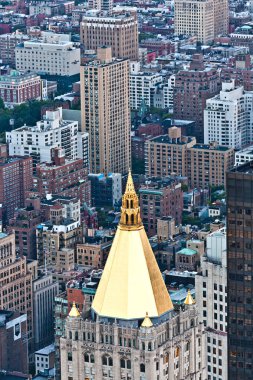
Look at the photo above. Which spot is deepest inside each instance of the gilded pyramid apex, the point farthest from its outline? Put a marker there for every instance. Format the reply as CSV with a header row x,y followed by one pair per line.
x,y
189,300
147,322
74,312
130,210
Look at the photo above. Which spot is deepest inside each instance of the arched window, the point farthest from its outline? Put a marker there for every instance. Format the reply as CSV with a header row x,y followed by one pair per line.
x,y
107,360
92,359
86,358
166,358
142,367
70,334
128,364
177,352
149,346
122,363
192,322
76,335
132,218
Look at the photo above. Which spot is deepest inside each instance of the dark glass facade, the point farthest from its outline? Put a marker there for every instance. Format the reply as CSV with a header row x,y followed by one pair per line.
x,y
240,272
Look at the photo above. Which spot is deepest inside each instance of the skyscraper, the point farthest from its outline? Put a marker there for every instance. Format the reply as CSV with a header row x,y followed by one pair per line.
x,y
204,19
120,31
240,271
132,330
106,113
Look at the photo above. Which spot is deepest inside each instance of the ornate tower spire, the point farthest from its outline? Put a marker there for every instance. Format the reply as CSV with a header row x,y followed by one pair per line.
x,y
130,210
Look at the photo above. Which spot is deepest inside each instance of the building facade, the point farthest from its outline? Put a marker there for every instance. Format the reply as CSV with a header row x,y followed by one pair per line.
x,y
114,339
118,31
8,42
13,329
52,55
17,88
239,267
204,19
160,198
15,279
107,121
40,141
211,296
207,165
106,191
44,292
167,154
15,179
143,86
228,117
192,87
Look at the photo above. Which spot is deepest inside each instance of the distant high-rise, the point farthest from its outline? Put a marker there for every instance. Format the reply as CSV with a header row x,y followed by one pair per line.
x,y
204,19
240,271
120,31
101,5
106,113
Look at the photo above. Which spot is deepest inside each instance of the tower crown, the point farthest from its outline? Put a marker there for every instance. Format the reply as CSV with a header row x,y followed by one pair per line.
x,y
130,210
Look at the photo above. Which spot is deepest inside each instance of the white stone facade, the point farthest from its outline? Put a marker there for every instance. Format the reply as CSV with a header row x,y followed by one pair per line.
x,y
38,141
228,117
173,350
143,86
51,55
211,296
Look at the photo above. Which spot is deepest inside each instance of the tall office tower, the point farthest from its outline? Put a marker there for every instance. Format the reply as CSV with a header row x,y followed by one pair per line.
x,y
192,88
44,293
15,281
132,330
120,31
240,271
211,296
106,113
204,19
221,17
228,117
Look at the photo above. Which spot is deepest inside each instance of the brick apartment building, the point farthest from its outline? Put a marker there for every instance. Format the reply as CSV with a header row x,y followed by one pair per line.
x,y
192,88
15,180
13,346
24,225
158,198
17,88
68,178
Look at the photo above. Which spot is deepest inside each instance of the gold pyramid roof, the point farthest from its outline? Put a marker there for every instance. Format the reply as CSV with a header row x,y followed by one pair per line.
x,y
131,282
74,311
189,300
147,322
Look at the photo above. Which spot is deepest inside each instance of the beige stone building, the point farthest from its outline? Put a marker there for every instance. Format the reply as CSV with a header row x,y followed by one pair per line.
x,y
92,254
132,330
15,281
106,113
204,164
120,31
204,19
167,154
208,164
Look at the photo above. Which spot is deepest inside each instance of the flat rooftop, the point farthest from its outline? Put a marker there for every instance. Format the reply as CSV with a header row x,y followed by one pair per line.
x,y
165,139
211,147
246,168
